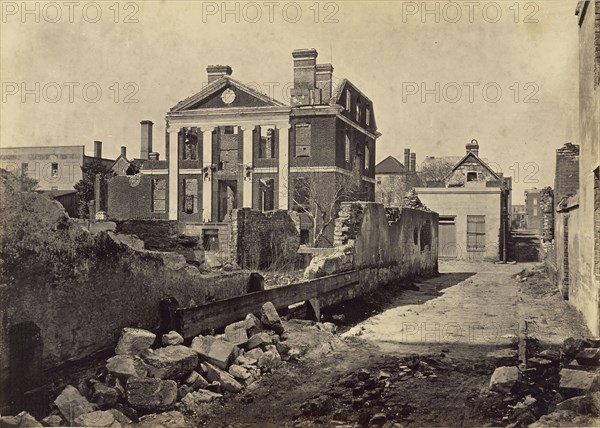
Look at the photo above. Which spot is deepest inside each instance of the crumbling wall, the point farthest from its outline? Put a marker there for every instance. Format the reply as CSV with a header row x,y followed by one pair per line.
x,y
129,197
386,244
262,240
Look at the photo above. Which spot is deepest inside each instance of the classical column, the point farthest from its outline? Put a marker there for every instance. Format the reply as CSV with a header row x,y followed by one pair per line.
x,y
173,172
284,166
247,166
207,176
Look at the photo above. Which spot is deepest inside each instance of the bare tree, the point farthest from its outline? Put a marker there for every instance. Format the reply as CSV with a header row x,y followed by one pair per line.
x,y
436,169
318,196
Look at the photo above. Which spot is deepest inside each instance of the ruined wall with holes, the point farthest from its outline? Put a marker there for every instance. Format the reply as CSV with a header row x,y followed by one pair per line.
x,y
386,244
264,240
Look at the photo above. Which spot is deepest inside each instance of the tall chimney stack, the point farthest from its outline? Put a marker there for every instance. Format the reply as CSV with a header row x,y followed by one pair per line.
x,y
124,151
473,147
305,75
413,162
146,138
98,149
406,160
215,72
324,81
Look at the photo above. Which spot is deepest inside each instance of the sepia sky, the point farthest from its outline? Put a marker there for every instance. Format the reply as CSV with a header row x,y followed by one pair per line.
x,y
439,74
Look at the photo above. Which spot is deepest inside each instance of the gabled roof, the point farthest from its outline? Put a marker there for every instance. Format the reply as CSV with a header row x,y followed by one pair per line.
x,y
478,159
216,86
389,165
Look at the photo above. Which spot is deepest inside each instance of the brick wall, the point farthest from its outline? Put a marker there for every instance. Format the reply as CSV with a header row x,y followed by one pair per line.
x,y
263,240
130,198
566,181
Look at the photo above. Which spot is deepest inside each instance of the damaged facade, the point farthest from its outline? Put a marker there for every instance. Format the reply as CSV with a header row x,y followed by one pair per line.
x,y
230,147
472,203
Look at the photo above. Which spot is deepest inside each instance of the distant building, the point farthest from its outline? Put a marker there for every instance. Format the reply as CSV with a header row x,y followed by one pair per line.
x,y
533,213
393,179
54,167
473,203
517,217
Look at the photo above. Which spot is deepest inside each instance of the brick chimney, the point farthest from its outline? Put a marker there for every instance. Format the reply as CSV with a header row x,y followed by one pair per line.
x,y
215,72
146,138
324,81
305,75
98,149
407,160
413,162
124,151
473,147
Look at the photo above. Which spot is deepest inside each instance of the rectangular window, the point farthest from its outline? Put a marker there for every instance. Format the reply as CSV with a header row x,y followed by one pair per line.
x,y
229,130
379,181
475,233
534,201
348,104
266,147
190,196
190,145
471,176
535,211
347,147
368,116
54,171
303,139
159,195
210,239
266,194
24,168
357,111
367,156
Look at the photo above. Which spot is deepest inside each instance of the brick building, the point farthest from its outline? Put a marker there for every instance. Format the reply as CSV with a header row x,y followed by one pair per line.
x,y
533,212
473,205
230,147
393,179
517,217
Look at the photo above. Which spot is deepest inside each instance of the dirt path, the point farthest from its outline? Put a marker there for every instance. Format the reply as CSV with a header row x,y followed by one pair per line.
x,y
423,361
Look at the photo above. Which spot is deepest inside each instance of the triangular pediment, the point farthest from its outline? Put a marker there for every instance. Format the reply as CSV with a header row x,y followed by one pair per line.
x,y
226,93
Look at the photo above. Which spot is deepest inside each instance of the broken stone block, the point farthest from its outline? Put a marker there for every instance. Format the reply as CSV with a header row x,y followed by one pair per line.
x,y
72,404
215,351
134,341
22,420
125,366
269,315
571,346
239,372
588,357
504,379
172,419
269,361
578,382
172,338
236,333
252,324
193,399
102,418
584,404
504,357
150,394
104,396
244,360
171,362
254,354
52,421
259,340
539,362
227,382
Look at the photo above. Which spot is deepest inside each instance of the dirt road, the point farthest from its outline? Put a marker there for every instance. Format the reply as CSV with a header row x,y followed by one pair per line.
x,y
424,360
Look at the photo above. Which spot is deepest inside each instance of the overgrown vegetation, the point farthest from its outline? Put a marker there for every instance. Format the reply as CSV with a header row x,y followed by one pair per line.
x,y
85,186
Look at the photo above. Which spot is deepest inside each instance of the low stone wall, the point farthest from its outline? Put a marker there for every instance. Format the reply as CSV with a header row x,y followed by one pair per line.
x,y
384,244
263,240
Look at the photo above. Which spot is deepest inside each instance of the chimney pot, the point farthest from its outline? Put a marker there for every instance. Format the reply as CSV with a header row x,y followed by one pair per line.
x,y
215,72
305,76
124,151
146,140
406,159
98,149
473,147
324,79
413,162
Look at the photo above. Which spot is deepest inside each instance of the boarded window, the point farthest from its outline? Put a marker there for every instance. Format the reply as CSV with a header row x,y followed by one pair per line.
x,y
475,233
301,193
266,147
303,139
266,194
190,196
159,195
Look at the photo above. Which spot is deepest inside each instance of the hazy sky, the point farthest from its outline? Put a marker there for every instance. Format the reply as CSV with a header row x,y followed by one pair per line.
x,y
393,51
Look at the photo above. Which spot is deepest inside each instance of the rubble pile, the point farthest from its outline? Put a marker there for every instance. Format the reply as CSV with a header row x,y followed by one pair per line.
x,y
558,387
144,380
